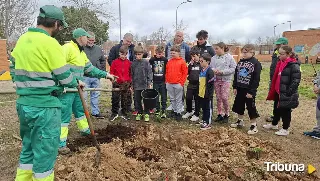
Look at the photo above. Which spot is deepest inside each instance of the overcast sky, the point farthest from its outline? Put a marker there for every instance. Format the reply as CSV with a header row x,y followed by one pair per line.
x,y
223,19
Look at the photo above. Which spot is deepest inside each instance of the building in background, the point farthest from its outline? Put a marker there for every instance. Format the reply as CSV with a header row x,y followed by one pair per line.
x,y
4,62
306,43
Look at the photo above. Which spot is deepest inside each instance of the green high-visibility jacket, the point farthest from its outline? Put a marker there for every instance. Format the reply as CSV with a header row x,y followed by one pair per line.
x,y
79,63
39,69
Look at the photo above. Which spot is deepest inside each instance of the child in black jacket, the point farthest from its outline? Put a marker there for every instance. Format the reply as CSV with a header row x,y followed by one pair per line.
x,y
159,63
245,85
206,86
193,85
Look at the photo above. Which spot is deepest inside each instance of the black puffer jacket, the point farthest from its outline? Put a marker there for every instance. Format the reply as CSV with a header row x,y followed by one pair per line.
x,y
206,48
289,83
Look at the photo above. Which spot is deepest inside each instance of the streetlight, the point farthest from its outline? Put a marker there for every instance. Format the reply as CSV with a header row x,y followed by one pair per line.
x,y
188,1
274,30
120,18
290,24
274,27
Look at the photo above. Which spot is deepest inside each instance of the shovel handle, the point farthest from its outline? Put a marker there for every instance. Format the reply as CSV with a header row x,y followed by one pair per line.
x,y
86,112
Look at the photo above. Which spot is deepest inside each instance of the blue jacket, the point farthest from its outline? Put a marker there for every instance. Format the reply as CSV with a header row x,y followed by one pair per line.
x,y
185,51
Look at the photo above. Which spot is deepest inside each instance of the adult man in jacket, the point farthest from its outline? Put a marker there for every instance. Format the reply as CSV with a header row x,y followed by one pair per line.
x,y
97,58
114,52
39,70
79,65
185,49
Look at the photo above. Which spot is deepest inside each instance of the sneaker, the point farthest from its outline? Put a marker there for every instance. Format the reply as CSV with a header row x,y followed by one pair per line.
x,y
151,111
270,126
135,113
178,117
282,132
64,150
98,116
239,123
113,117
146,118
219,118
312,134
138,117
187,115
163,115
269,119
205,126
194,118
172,114
253,129
169,108
125,116
225,118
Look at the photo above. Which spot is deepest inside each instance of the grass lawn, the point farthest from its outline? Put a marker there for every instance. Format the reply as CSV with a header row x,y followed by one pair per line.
x,y
306,85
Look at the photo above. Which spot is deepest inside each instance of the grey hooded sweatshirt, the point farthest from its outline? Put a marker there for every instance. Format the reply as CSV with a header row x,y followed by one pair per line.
x,y
224,63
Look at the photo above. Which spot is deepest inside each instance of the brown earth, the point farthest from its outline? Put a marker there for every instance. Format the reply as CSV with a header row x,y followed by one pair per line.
x,y
174,152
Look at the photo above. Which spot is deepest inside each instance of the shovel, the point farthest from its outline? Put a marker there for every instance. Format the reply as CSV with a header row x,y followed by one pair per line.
x,y
95,142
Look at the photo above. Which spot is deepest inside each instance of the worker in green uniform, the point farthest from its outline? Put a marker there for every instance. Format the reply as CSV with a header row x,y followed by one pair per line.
x,y
39,70
80,65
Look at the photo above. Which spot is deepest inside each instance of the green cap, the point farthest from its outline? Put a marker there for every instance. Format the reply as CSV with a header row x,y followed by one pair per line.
x,y
79,32
281,40
50,11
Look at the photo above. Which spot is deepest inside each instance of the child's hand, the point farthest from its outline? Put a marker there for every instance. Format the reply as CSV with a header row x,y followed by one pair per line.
x,y
218,72
249,96
235,91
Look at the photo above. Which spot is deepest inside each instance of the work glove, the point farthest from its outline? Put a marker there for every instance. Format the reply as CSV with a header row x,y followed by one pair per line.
x,y
111,77
81,84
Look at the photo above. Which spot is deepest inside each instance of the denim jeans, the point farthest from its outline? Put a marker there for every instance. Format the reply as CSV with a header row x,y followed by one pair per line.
x,y
94,95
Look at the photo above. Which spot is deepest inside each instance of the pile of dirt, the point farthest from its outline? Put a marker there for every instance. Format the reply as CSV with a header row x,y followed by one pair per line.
x,y
159,152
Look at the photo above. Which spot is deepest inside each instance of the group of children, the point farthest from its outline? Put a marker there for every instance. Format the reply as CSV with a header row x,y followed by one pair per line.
x,y
205,75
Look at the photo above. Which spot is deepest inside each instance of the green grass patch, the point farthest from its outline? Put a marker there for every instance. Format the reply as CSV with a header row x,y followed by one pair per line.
x,y
305,87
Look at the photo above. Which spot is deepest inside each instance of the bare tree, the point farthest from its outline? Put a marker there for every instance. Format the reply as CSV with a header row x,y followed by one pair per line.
x,y
248,41
100,7
160,35
234,42
16,16
259,41
213,41
136,37
181,26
